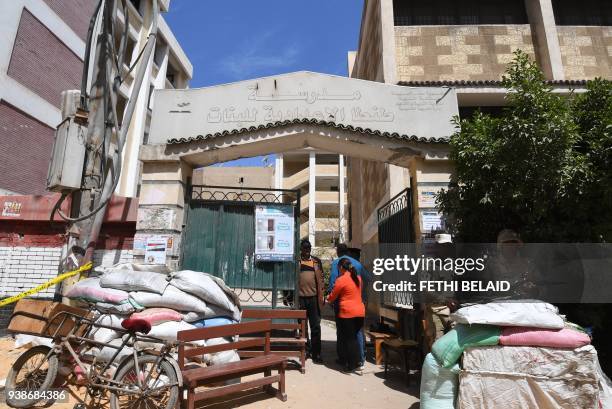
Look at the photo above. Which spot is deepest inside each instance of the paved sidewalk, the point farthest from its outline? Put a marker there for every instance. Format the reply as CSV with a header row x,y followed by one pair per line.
x,y
323,386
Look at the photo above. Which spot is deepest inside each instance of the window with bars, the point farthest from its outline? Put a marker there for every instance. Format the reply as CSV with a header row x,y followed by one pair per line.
x,y
453,12
583,13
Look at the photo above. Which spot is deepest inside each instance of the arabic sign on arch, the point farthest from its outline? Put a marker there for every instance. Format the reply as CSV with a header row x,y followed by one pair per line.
x,y
423,111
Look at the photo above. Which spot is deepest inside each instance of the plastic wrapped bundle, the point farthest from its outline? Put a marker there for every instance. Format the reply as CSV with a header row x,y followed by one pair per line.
x,y
448,349
529,378
538,337
439,386
535,314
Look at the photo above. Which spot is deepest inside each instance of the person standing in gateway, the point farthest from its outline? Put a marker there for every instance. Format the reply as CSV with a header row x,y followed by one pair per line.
x,y
310,287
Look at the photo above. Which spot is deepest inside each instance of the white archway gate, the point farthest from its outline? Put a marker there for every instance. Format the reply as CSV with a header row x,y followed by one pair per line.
x,y
356,118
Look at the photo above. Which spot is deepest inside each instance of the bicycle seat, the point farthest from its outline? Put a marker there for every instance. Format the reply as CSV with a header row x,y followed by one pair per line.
x,y
136,325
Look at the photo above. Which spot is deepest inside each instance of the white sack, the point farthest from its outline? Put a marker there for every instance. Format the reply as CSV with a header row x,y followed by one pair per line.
x,y
153,268
221,357
203,286
118,309
90,290
167,330
511,314
528,378
130,280
24,340
605,389
106,353
212,311
106,334
172,298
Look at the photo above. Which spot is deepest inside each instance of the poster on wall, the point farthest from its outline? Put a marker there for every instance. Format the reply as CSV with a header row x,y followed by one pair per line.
x,y
431,220
155,250
274,233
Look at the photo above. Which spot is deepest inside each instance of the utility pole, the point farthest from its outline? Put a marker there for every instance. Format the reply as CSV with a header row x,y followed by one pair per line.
x,y
105,136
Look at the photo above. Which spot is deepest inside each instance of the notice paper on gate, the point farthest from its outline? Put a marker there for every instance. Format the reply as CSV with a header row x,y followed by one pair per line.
x,y
274,233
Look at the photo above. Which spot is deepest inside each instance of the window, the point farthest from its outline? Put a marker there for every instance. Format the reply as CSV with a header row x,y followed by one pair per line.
x,y
468,112
160,51
583,13
453,12
136,4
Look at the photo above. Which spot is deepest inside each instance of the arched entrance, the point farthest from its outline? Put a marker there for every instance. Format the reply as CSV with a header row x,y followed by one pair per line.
x,y
403,127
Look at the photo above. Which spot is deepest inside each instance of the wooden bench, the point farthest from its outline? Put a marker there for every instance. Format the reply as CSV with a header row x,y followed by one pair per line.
x,y
195,376
377,339
289,333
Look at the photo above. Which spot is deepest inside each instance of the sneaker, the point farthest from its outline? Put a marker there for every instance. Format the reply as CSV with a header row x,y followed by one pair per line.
x,y
358,371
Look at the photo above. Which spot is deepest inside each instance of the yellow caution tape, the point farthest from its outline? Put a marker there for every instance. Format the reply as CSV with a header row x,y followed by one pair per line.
x,y
46,285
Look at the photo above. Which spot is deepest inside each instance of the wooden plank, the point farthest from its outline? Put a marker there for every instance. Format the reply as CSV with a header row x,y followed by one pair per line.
x,y
285,353
226,390
233,368
275,313
222,331
286,340
243,343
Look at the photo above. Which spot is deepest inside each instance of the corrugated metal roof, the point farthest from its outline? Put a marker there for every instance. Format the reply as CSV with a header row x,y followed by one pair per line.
x,y
279,124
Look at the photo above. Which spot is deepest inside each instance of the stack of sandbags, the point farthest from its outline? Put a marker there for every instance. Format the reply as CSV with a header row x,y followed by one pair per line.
x,y
439,378
169,302
520,355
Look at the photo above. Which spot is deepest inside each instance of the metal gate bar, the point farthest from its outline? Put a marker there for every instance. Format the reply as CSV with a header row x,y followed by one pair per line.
x,y
395,233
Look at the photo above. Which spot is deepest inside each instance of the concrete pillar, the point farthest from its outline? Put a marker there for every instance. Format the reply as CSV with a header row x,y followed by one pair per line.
x,y
312,197
161,207
399,179
428,175
342,210
387,27
279,173
546,39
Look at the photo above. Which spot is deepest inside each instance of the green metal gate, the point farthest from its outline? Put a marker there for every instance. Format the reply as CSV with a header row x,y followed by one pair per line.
x,y
219,238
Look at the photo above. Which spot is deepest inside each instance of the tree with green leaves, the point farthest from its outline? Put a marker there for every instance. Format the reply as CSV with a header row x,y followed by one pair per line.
x,y
542,168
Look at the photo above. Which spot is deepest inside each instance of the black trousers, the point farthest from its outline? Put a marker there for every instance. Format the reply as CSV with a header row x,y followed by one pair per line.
x,y
311,305
347,337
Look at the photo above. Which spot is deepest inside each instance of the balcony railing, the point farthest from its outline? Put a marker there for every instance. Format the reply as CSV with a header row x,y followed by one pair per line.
x,y
302,177
321,198
322,224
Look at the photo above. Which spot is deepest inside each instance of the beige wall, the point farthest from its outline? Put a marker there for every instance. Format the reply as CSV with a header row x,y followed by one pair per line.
x,y
368,63
432,53
586,52
229,176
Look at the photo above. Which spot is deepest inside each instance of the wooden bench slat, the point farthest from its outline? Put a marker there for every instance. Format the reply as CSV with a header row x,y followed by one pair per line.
x,y
232,368
274,313
285,340
285,353
223,331
226,390
242,343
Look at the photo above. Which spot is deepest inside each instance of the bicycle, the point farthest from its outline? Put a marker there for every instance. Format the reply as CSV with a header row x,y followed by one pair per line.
x,y
143,379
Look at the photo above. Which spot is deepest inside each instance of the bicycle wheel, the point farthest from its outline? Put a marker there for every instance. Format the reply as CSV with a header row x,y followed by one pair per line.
x,y
33,372
160,391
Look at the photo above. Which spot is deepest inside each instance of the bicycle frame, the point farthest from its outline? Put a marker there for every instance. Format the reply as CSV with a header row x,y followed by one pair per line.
x,y
95,378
